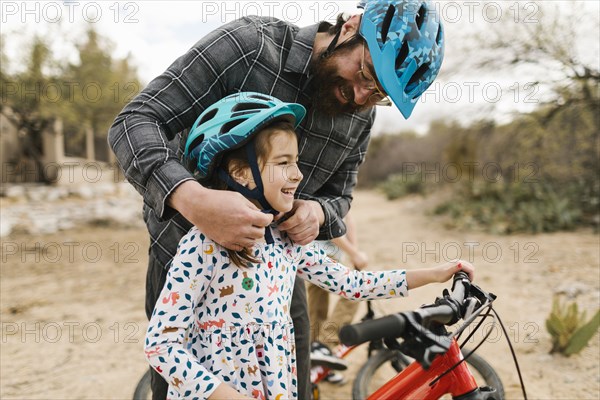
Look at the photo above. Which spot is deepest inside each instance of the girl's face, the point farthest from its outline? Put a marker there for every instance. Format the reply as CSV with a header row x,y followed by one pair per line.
x,y
280,174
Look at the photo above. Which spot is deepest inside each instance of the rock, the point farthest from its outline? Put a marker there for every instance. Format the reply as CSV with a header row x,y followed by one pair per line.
x,y
83,191
37,194
51,210
44,224
14,192
572,289
6,226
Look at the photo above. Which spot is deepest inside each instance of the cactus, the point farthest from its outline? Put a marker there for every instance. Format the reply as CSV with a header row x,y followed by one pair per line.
x,y
570,333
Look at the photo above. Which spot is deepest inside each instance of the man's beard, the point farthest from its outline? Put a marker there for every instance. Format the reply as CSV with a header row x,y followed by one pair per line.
x,y
325,83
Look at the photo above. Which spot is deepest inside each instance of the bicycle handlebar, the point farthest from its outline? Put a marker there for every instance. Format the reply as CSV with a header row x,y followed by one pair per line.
x,y
367,331
395,325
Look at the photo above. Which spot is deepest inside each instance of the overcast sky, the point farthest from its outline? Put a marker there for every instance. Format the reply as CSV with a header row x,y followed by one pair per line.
x,y
154,33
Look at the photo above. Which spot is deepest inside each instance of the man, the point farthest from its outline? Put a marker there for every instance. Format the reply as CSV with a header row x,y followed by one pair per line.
x,y
330,70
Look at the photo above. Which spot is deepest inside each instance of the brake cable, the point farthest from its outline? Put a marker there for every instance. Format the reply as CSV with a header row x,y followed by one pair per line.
x,y
465,357
514,356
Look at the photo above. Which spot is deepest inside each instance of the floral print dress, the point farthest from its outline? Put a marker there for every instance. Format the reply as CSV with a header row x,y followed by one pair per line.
x,y
215,322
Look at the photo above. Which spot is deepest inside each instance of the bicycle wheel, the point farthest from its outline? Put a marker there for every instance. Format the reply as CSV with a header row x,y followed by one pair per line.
x,y
143,390
380,368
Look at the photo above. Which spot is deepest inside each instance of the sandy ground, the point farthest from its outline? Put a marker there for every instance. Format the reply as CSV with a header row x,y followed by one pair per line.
x,y
72,303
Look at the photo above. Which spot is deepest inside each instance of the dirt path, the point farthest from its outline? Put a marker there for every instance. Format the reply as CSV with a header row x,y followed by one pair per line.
x,y
73,321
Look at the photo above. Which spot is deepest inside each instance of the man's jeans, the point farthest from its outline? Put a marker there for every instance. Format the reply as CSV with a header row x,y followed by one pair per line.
x,y
155,280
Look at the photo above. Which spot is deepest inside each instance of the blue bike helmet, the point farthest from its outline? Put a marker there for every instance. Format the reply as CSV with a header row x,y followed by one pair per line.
x,y
406,42
229,124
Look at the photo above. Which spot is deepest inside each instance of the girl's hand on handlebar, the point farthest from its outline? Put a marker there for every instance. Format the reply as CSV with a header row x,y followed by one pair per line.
x,y
419,277
446,271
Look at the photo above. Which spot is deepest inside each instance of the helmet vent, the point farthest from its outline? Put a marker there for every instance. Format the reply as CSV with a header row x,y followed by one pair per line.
x,y
236,114
438,38
209,115
421,16
402,55
387,20
258,97
196,142
230,125
417,76
248,106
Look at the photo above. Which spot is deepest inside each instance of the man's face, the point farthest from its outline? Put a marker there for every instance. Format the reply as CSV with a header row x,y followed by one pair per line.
x,y
338,83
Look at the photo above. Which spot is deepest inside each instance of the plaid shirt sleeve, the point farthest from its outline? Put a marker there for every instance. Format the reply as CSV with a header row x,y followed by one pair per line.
x,y
144,136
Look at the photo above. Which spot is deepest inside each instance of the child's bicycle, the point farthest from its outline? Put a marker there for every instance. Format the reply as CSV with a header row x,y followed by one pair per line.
x,y
440,367
385,361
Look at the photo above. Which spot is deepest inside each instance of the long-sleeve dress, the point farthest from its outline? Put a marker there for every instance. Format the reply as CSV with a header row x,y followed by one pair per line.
x,y
216,322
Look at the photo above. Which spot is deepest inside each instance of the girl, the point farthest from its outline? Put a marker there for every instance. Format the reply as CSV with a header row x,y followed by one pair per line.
x,y
221,327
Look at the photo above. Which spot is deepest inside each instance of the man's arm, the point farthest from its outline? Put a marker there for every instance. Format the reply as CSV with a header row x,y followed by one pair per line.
x,y
226,217
349,244
336,195
143,135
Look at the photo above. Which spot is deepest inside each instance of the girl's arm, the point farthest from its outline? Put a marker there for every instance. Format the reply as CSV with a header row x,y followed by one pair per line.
x,y
172,321
315,267
419,277
330,275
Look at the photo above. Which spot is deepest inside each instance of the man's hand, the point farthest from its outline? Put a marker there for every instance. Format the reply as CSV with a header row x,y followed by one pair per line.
x,y
226,217
359,260
303,225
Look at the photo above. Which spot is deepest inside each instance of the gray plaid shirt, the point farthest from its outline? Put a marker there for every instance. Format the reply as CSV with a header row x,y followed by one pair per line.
x,y
257,54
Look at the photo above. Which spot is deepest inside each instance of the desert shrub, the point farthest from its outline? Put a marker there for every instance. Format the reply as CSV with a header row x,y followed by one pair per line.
x,y
538,173
515,207
400,185
569,329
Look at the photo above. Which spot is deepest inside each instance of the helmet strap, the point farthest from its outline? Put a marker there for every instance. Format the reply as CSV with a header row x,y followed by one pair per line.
x,y
331,46
258,192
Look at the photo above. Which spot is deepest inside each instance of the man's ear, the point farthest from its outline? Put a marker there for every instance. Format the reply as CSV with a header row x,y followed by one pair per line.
x,y
350,27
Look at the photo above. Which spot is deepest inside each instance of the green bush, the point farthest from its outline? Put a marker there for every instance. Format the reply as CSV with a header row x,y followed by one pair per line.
x,y
517,207
544,164
568,328
400,185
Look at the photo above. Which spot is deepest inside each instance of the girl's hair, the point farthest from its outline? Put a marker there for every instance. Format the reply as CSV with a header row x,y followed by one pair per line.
x,y
237,160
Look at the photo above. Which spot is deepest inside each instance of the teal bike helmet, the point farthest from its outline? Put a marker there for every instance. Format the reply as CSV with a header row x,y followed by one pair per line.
x,y
406,42
232,123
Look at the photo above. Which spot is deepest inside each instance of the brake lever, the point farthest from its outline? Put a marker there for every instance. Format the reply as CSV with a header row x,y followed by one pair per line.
x,y
469,307
481,295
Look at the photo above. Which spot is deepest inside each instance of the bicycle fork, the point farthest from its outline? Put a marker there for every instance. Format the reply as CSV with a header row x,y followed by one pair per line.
x,y
416,383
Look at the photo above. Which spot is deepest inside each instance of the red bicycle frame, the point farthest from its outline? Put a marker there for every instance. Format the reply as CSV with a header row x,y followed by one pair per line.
x,y
414,382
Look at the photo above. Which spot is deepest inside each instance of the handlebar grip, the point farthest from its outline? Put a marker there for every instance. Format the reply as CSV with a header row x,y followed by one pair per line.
x,y
388,326
460,286
460,275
